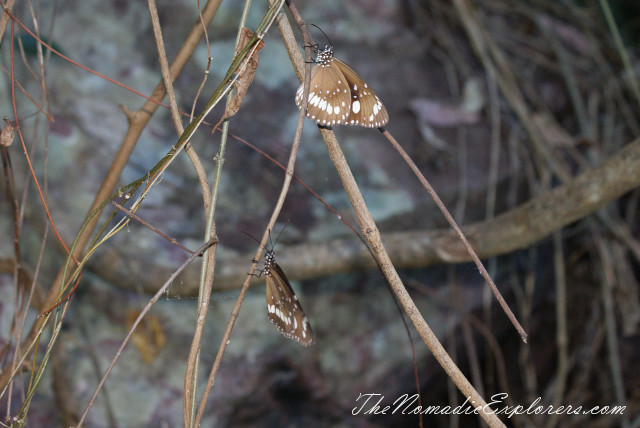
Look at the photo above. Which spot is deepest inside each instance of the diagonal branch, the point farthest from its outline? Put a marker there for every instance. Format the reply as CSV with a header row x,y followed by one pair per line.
x,y
518,228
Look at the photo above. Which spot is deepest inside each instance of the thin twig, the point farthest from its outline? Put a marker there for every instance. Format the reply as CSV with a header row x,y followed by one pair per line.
x,y
606,287
425,183
153,228
615,32
562,337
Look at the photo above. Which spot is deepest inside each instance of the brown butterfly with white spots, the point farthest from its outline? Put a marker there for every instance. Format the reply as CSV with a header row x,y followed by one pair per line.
x,y
283,307
339,96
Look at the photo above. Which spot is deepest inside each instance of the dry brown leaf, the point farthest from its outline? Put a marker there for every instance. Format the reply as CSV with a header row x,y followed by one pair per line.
x,y
246,77
6,137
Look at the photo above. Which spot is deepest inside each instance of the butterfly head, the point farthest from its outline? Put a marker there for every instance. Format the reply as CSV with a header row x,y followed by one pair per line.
x,y
324,56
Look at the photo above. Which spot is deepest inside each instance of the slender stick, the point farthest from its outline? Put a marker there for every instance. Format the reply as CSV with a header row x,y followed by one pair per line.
x,y
456,228
153,228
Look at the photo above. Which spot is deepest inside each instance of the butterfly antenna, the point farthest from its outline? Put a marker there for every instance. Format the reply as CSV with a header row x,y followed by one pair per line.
x,y
279,234
271,242
325,34
251,236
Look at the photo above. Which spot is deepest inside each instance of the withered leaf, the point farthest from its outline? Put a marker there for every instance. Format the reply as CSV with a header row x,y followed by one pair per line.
x,y
247,71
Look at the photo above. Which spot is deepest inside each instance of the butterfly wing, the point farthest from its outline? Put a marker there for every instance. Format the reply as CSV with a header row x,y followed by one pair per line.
x,y
366,108
284,309
329,98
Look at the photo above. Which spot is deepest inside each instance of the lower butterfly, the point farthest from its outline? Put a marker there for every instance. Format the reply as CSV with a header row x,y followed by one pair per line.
x,y
339,96
283,308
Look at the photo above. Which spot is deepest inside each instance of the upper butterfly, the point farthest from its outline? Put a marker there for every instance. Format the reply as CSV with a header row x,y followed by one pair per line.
x,y
339,96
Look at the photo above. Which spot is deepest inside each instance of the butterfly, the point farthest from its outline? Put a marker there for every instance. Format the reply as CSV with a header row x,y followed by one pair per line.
x,y
283,308
339,96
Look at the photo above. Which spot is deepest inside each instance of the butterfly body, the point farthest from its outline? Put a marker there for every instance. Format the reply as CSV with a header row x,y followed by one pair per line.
x,y
283,308
339,96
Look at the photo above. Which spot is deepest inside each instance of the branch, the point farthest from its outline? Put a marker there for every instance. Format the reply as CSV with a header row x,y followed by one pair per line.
x,y
518,228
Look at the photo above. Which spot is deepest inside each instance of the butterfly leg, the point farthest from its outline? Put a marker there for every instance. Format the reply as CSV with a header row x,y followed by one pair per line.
x,y
257,275
314,47
260,271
